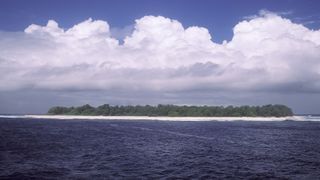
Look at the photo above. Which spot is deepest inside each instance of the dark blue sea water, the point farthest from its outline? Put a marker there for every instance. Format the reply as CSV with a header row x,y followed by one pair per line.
x,y
114,149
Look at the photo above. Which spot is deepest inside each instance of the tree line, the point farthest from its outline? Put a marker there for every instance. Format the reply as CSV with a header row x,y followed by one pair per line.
x,y
174,110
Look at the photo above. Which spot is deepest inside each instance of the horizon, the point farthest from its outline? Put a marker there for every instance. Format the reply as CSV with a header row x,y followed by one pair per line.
x,y
214,53
156,105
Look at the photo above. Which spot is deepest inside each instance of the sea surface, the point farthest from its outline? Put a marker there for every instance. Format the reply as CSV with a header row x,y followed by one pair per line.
x,y
127,149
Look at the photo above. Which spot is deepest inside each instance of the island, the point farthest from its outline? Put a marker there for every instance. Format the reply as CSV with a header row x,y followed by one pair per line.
x,y
269,110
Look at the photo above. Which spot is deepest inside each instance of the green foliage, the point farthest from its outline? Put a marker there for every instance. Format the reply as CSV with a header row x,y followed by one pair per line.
x,y
172,110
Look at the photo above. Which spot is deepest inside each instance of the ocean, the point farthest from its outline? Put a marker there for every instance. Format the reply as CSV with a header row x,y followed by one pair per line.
x,y
140,149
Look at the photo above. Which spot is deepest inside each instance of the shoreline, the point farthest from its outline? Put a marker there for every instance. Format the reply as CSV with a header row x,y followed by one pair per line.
x,y
157,118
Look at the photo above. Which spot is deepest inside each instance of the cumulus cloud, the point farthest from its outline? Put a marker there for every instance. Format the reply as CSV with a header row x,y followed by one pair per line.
x,y
267,53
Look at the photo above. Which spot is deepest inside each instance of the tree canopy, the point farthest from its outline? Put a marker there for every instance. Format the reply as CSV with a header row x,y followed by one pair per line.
x,y
174,110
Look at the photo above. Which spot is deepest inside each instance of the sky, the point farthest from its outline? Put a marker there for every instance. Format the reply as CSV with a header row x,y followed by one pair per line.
x,y
180,52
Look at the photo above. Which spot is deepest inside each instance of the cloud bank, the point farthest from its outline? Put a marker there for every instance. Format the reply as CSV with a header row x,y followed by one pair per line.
x,y
267,53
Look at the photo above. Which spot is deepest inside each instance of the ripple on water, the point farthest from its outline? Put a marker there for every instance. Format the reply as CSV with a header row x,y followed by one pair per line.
x,y
62,149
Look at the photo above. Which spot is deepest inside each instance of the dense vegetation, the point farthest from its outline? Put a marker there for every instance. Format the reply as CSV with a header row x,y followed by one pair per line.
x,y
173,110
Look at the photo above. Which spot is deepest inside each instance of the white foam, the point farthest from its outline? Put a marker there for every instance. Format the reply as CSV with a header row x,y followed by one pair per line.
x,y
165,118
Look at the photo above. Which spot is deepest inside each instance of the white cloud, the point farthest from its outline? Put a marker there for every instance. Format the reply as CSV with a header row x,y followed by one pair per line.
x,y
266,53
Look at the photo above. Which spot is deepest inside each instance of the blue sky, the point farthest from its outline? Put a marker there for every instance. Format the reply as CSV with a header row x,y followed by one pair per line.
x,y
150,52
217,16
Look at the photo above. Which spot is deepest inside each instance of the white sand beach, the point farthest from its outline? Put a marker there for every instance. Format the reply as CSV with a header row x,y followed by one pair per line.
x,y
294,118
